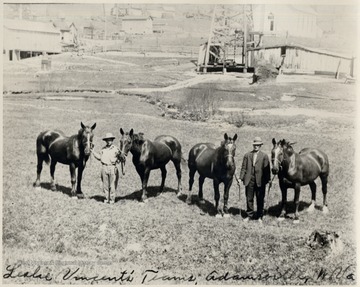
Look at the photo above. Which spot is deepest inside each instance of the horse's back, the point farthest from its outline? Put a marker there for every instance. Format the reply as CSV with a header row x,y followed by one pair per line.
x,y
201,157
170,142
316,159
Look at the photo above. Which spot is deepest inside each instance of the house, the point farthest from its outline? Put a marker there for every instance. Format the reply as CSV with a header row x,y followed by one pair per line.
x,y
286,20
137,25
68,32
24,39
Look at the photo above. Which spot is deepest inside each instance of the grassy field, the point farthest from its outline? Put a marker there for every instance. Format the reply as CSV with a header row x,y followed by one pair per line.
x,y
86,241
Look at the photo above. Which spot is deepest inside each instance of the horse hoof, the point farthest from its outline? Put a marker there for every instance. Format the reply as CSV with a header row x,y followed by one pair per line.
x,y
74,197
281,218
218,215
325,210
296,221
311,209
37,187
226,215
80,196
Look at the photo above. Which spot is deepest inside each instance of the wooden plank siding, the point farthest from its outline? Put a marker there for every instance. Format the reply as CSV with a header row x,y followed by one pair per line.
x,y
298,58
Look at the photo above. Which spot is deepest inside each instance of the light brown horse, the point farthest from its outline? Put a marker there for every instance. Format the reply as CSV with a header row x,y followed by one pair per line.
x,y
149,155
298,169
53,147
215,163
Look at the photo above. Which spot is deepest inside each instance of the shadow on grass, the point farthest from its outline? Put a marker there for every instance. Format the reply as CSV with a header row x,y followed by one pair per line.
x,y
61,188
275,210
152,191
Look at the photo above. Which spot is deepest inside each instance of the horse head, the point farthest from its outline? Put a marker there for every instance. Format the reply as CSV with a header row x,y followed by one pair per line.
x,y
85,136
130,140
281,151
229,148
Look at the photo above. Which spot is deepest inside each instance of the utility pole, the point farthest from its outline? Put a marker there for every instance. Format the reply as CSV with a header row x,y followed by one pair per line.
x,y
207,53
245,40
104,48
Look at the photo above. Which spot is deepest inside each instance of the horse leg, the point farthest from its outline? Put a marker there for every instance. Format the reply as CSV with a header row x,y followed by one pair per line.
x,y
226,197
52,172
39,167
79,192
313,196
201,182
324,181
178,174
163,177
144,184
73,178
219,211
297,201
192,172
283,201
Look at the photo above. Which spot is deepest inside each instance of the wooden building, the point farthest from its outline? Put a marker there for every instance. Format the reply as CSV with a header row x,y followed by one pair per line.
x,y
137,25
23,39
299,59
286,20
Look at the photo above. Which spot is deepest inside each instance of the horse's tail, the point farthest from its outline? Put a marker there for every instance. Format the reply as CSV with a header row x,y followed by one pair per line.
x,y
42,148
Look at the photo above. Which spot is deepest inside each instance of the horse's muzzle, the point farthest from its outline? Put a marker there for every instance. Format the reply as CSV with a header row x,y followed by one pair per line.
x,y
275,170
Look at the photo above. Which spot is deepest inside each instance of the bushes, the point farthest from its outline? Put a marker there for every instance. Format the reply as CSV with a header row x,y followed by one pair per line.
x,y
199,104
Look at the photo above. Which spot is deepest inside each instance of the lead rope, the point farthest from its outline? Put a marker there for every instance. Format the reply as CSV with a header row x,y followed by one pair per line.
x,y
267,199
238,183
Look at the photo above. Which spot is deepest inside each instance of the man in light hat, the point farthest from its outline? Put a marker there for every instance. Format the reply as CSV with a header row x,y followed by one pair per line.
x,y
255,174
109,157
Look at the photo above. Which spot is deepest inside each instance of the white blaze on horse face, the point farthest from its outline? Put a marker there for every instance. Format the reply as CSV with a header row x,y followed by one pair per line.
x,y
276,156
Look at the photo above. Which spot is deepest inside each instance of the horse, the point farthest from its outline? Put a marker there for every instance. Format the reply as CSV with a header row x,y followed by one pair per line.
x,y
217,164
53,147
298,169
149,155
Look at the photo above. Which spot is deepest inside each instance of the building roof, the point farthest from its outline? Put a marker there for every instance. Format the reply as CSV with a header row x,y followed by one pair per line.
x,y
25,25
136,18
61,25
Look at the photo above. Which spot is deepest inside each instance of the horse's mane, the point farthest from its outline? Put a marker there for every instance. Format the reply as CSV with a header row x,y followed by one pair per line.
x,y
139,138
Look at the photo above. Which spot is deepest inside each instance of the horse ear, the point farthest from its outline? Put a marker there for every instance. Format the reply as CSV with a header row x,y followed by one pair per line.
x,y
82,125
292,143
131,133
122,131
93,127
226,136
235,137
283,142
274,141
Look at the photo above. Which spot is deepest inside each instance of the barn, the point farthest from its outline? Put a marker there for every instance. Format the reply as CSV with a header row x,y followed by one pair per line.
x,y
24,39
137,25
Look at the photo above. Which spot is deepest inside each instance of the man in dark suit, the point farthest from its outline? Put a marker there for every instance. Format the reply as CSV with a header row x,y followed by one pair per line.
x,y
255,174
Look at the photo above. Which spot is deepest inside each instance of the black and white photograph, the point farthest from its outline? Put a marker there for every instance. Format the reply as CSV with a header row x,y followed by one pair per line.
x,y
194,143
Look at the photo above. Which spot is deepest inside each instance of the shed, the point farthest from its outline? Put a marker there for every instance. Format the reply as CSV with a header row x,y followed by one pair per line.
x,y
23,39
300,59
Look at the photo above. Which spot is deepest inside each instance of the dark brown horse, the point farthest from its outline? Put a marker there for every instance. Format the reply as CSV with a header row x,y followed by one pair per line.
x,y
149,155
215,163
54,147
297,169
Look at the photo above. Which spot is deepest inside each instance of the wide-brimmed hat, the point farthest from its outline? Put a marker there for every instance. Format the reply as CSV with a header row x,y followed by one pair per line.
x,y
257,141
108,136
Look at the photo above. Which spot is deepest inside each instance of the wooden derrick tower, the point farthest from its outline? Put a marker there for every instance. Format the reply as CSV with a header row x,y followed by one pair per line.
x,y
229,30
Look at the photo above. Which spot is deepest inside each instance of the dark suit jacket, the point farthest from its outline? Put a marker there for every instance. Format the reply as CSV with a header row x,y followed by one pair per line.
x,y
262,168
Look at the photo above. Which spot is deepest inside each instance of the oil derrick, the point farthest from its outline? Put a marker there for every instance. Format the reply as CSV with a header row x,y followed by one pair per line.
x,y
229,31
